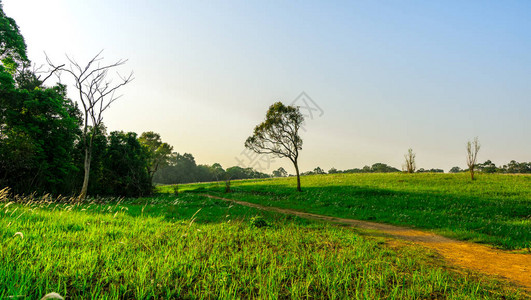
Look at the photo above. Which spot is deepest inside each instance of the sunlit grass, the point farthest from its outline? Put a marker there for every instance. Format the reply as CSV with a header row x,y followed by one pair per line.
x,y
194,247
494,209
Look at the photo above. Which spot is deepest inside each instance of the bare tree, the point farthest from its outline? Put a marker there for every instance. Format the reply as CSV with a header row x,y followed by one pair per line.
x,y
410,165
472,149
279,135
96,93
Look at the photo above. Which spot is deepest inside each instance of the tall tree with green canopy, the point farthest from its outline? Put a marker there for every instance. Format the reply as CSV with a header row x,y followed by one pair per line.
x,y
157,151
279,135
39,125
124,166
12,44
38,132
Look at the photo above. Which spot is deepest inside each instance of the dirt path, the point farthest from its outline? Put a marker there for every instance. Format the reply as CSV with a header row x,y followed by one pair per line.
x,y
512,266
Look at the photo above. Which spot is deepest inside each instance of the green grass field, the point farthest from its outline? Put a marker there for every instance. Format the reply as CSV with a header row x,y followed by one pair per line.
x,y
494,209
190,246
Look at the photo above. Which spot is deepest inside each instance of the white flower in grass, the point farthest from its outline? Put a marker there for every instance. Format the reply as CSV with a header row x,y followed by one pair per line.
x,y
52,296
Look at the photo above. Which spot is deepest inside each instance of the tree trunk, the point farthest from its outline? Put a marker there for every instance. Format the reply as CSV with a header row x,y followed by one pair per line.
x,y
84,189
227,186
472,173
298,177
151,175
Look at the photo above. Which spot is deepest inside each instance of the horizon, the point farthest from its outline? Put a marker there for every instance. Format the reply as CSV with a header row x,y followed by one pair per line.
x,y
383,77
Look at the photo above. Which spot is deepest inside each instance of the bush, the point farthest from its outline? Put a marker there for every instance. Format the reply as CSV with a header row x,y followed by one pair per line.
x,y
258,222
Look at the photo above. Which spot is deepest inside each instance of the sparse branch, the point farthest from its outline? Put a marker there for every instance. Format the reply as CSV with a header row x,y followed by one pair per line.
x,y
96,93
55,69
472,148
278,135
410,164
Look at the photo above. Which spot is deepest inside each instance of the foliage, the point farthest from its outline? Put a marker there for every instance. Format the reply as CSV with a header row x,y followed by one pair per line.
x,y
124,163
516,167
279,135
158,152
96,93
41,148
375,168
38,124
513,167
280,172
422,170
183,169
258,222
12,44
333,171
38,131
456,170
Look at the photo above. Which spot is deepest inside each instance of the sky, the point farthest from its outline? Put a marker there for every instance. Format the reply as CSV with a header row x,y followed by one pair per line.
x,y
382,76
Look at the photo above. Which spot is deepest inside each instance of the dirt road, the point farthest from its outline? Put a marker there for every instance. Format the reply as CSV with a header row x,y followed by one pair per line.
x,y
512,266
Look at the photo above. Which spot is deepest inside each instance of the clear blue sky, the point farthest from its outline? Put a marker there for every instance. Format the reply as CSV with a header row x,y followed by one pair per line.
x,y
388,75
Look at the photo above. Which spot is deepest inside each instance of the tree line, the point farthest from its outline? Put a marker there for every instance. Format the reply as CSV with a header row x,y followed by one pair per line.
x,y
43,133
182,168
513,167
50,144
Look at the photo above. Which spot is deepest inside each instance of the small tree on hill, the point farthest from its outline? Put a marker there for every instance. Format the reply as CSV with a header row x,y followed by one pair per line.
x,y
472,148
410,165
279,135
280,172
455,170
318,170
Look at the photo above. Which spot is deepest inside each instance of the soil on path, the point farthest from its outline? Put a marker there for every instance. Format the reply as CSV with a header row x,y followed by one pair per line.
x,y
515,267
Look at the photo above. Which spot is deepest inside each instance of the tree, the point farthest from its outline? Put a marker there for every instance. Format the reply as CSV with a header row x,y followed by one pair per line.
x,y
158,152
217,171
280,172
410,166
96,93
319,171
39,125
455,170
279,135
237,172
12,44
180,169
333,171
516,167
383,168
422,170
487,167
472,149
124,166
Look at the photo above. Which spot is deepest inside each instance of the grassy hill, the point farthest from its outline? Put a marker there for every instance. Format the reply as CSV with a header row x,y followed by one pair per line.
x,y
189,246
494,209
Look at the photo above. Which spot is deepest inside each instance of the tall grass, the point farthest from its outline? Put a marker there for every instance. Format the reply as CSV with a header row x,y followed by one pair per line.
x,y
165,247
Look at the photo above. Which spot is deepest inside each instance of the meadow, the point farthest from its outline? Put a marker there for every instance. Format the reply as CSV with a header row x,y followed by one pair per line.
x,y
189,246
494,209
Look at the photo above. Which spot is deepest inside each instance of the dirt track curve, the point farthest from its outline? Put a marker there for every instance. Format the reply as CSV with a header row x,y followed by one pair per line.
x,y
515,267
